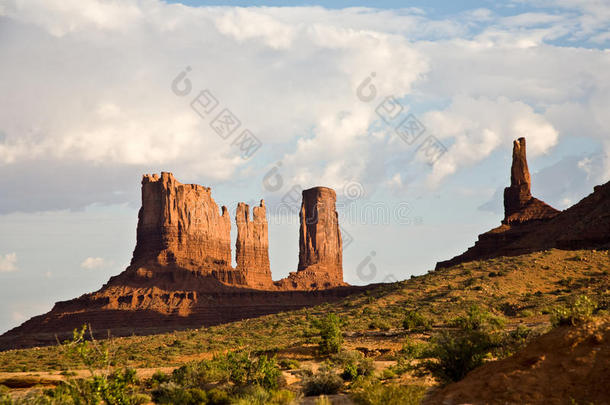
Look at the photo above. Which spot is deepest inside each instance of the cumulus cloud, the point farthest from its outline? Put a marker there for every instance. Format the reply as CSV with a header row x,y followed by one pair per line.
x,y
478,126
92,263
8,262
101,104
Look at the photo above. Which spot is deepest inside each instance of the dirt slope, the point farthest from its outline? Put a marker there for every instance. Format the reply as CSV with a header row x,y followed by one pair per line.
x,y
564,366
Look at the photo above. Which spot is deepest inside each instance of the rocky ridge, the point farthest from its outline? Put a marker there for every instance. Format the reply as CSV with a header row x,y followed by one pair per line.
x,y
531,225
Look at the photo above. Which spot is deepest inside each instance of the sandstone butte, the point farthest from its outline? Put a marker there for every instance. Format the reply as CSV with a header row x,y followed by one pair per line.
x,y
531,225
181,275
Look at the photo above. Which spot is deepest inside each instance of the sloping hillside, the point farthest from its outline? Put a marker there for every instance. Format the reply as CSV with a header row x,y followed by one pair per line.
x,y
521,288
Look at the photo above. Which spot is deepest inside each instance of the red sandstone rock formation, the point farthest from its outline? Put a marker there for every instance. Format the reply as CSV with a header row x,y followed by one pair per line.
x,y
181,276
320,245
180,225
519,193
252,246
531,225
522,214
319,236
519,205
584,225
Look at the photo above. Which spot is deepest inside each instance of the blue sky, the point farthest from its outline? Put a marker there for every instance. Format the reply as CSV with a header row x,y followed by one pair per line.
x,y
87,106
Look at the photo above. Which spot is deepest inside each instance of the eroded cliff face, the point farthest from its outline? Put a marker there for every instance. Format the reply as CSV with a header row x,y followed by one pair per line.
x,y
252,246
181,228
180,225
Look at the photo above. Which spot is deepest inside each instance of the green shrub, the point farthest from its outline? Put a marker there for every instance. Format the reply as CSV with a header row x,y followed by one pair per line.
x,y
414,350
5,398
387,374
331,337
237,367
354,364
459,353
174,394
374,393
159,377
197,374
579,312
415,321
324,382
477,318
217,396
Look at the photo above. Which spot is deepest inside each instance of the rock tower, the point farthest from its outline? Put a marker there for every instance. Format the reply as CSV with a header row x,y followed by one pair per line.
x,y
252,245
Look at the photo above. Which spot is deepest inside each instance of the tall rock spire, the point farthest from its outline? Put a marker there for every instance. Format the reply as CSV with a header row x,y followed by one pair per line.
x,y
519,205
523,214
252,245
320,247
519,193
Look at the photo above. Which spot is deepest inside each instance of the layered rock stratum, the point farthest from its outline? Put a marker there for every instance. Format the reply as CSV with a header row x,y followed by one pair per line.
x,y
530,224
181,275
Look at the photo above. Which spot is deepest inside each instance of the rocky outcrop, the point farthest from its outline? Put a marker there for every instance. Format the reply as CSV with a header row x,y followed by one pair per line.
x,y
585,225
252,246
181,276
519,193
180,225
523,214
519,205
530,225
320,245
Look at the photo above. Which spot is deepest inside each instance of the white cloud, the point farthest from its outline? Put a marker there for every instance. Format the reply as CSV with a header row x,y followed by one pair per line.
x,y
91,263
478,126
8,262
243,24
102,97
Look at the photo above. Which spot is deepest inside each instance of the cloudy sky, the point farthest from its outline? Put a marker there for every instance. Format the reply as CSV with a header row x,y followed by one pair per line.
x,y
407,110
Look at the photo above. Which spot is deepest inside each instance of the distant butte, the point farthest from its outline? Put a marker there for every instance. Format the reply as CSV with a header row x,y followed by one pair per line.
x,y
531,225
181,275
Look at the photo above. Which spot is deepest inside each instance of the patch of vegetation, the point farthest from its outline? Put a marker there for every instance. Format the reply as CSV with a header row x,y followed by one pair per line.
x,y
463,335
459,352
331,337
579,311
324,382
415,321
354,365
373,393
